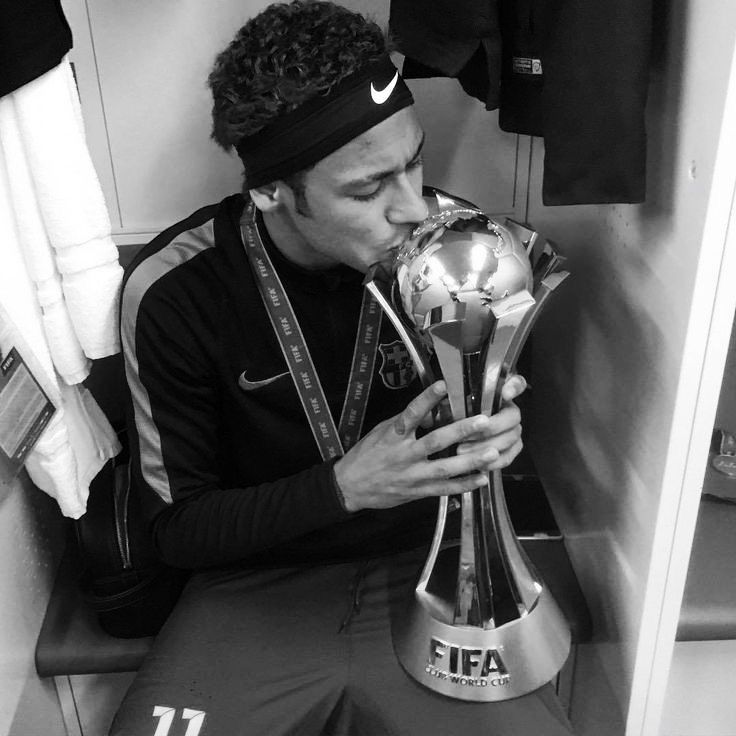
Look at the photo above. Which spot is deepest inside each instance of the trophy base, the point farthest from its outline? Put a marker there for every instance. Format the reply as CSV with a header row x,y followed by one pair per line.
x,y
484,665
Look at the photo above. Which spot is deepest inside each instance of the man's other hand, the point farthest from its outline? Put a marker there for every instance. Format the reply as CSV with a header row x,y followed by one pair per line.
x,y
391,465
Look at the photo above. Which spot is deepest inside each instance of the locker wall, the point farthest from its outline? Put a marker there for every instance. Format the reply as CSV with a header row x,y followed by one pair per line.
x,y
30,541
630,365
141,68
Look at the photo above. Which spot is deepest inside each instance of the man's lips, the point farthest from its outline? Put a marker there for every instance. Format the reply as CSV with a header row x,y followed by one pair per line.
x,y
389,253
401,240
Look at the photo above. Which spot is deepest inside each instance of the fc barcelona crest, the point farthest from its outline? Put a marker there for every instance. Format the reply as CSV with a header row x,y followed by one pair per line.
x,y
397,369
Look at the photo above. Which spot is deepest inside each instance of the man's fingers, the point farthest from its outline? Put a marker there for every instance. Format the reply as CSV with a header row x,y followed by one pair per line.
x,y
514,386
451,434
411,418
473,429
508,418
481,461
455,486
501,441
459,465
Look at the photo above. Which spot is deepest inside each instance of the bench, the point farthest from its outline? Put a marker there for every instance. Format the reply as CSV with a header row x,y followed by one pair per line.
x,y
71,641
708,611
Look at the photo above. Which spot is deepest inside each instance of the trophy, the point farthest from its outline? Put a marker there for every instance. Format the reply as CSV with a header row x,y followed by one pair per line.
x,y
463,296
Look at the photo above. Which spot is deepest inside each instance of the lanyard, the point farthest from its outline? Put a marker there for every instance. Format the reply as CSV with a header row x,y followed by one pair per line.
x,y
332,442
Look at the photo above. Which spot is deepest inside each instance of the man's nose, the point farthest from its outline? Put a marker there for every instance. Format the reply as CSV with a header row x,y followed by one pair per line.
x,y
407,205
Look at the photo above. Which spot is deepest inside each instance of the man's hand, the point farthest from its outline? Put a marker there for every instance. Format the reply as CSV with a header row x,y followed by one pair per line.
x,y
391,466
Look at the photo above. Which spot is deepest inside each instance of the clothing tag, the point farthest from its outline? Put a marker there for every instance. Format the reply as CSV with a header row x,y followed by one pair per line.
x,y
525,65
25,410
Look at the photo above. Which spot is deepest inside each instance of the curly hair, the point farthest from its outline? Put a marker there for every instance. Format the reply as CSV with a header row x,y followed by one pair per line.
x,y
285,55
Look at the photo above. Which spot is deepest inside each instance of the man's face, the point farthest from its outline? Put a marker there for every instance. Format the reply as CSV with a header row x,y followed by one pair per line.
x,y
361,201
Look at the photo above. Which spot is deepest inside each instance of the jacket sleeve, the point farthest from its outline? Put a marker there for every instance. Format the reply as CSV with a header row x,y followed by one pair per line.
x,y
196,521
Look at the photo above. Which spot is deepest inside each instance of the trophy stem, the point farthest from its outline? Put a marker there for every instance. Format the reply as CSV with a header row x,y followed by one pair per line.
x,y
527,581
495,561
472,596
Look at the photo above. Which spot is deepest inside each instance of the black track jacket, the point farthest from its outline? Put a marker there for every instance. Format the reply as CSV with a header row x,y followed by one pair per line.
x,y
223,460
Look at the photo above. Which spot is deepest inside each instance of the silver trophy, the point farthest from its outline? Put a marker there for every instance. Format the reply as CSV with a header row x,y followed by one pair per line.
x,y
463,295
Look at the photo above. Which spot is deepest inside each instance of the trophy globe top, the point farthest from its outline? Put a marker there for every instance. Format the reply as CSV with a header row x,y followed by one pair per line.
x,y
459,255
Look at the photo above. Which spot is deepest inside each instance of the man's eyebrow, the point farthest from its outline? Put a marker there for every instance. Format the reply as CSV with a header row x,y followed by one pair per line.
x,y
389,172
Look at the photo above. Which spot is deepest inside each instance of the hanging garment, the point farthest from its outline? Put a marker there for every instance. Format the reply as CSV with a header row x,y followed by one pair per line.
x,y
63,225
522,68
78,440
34,37
570,71
72,206
594,97
67,354
446,38
60,277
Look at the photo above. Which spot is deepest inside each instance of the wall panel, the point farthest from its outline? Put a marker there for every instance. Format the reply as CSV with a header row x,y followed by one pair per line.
x,y
142,69
30,543
624,363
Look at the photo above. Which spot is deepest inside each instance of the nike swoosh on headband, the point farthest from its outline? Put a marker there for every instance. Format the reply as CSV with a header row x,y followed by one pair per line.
x,y
379,96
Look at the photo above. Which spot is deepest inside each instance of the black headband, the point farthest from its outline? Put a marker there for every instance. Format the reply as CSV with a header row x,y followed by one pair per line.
x,y
323,123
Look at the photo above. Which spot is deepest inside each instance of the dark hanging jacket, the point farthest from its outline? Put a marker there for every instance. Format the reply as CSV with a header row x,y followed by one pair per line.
x,y
574,72
34,37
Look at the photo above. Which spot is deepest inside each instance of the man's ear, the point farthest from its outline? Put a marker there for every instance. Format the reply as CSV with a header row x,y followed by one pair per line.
x,y
265,197
270,197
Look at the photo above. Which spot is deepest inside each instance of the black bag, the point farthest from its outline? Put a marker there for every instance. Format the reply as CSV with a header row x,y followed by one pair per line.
x,y
129,588
131,592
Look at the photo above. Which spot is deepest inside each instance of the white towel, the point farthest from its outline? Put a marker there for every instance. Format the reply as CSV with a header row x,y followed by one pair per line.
x,y
79,439
36,246
95,314
72,206
71,450
71,200
52,466
66,352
